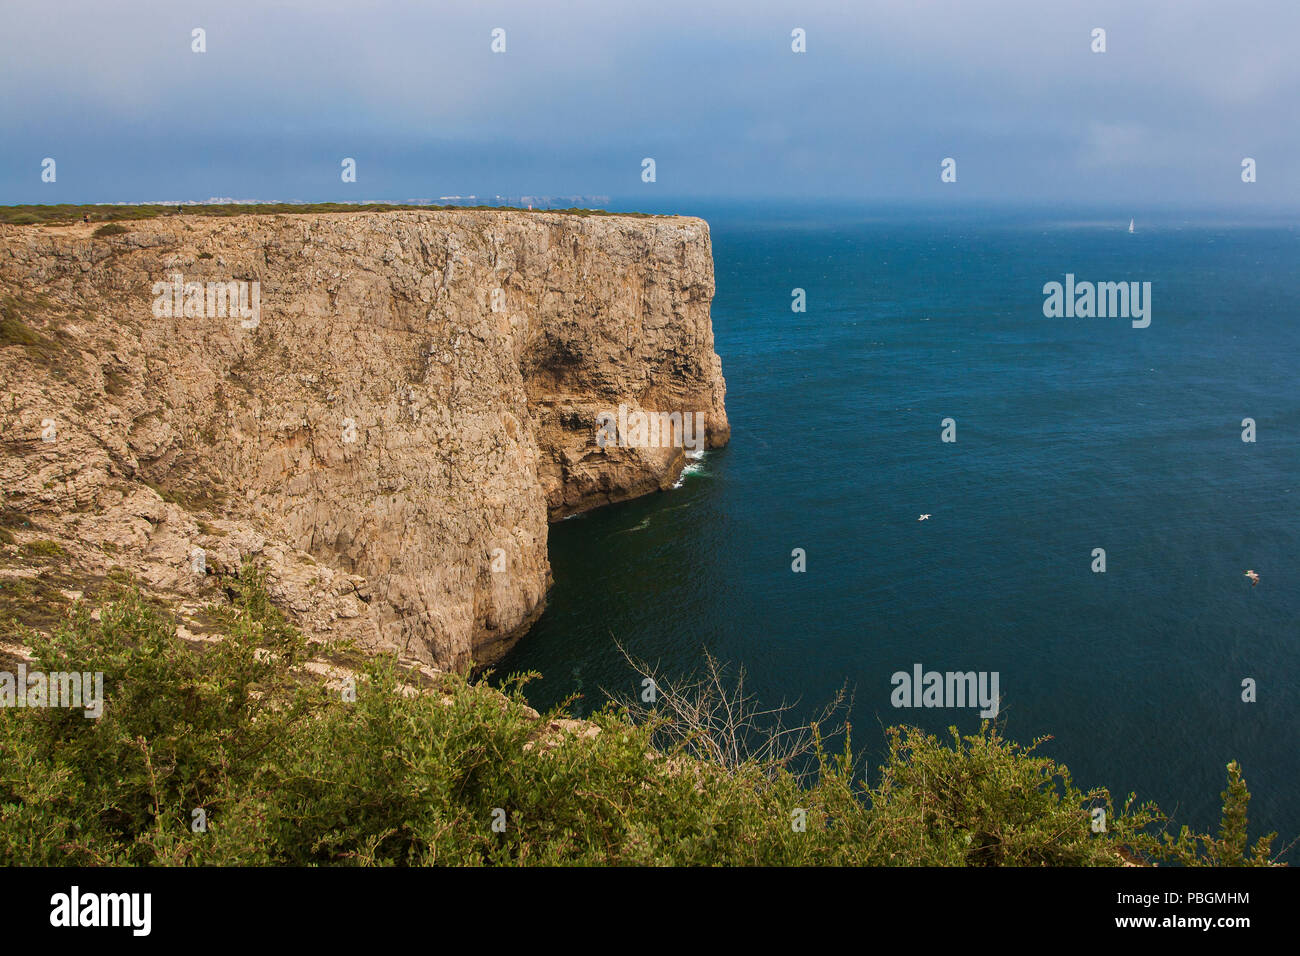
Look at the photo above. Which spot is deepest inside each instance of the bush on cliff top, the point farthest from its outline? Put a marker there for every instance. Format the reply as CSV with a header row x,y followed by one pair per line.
x,y
287,772
63,213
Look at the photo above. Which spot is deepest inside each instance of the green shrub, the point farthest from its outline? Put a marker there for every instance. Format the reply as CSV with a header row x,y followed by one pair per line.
x,y
291,772
64,213
46,549
16,330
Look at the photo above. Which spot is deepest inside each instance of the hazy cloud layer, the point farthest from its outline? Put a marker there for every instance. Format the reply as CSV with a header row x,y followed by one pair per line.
x,y
585,90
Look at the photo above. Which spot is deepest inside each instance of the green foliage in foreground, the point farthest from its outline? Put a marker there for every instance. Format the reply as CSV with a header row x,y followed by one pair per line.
x,y
57,214
288,772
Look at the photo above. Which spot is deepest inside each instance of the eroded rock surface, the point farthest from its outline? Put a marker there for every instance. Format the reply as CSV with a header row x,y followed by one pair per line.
x,y
390,434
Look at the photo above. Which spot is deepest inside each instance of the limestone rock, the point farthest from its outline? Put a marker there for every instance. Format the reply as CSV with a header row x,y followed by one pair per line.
x,y
415,398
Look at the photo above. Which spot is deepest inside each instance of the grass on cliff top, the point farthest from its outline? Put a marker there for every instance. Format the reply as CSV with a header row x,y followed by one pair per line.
x,y
225,756
63,214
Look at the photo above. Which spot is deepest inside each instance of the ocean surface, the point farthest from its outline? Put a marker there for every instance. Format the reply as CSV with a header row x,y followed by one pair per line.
x,y
1072,434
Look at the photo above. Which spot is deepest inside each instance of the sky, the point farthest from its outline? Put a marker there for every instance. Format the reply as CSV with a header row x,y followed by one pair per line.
x,y
585,91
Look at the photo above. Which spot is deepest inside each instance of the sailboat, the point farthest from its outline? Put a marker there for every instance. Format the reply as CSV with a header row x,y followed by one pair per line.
x,y
1130,225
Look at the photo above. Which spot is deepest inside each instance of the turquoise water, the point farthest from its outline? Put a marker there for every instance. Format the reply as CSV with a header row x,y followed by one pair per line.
x,y
1072,434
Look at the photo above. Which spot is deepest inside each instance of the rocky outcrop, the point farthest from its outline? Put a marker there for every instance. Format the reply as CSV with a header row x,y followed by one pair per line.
x,y
406,400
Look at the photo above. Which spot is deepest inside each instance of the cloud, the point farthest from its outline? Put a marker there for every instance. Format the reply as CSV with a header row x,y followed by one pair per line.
x,y
714,92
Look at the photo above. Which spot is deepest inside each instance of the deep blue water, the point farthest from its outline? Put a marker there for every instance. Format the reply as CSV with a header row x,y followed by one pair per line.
x,y
1072,434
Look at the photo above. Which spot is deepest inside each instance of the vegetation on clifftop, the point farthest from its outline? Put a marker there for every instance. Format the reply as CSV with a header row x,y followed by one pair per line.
x,y
287,771
61,214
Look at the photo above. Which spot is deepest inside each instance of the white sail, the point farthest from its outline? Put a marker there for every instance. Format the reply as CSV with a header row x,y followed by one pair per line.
x,y
1130,225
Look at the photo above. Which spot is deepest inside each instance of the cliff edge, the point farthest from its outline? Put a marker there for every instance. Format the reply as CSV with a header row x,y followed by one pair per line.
x,y
383,409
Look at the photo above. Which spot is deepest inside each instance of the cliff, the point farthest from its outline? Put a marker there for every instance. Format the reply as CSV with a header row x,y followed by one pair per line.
x,y
387,426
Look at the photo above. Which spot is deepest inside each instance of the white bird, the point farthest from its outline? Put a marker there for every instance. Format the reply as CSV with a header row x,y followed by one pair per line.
x,y
922,518
1254,578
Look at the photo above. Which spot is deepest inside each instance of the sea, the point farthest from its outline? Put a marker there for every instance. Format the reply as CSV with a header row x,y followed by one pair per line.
x,y
1066,435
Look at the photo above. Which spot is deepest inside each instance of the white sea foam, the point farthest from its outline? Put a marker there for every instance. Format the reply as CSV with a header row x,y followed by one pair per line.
x,y
694,466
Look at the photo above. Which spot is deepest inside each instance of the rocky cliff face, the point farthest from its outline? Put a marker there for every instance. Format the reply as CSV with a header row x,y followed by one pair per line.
x,y
405,401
